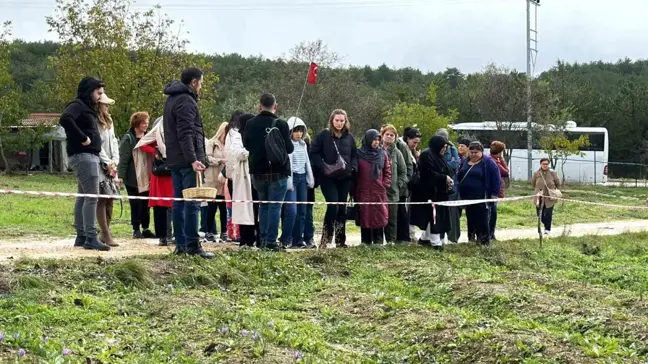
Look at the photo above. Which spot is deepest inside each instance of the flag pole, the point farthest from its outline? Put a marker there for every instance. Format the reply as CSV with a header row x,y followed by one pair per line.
x,y
303,89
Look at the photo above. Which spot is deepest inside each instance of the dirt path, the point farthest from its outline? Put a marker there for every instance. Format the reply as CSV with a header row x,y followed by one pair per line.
x,y
57,248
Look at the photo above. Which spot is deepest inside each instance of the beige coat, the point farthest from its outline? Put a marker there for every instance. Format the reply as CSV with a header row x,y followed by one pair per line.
x,y
239,172
538,183
144,161
217,160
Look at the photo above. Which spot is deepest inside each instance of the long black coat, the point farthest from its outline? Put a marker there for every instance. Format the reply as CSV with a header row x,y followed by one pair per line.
x,y
432,186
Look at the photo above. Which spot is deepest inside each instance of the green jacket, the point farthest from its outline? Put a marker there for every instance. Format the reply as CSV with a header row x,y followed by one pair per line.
x,y
398,174
126,167
409,163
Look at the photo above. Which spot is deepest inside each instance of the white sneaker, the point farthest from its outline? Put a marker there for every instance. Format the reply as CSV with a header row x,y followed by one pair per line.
x,y
547,232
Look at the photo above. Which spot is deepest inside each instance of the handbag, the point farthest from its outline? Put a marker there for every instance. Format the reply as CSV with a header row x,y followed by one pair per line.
x,y
160,166
554,193
107,186
332,170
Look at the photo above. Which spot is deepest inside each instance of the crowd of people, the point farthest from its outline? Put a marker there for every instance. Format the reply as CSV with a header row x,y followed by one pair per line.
x,y
265,158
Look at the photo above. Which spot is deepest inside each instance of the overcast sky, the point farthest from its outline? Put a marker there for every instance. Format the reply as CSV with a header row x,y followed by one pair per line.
x,y
426,34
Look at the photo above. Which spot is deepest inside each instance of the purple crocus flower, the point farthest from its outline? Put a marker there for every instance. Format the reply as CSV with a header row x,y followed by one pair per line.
x,y
255,336
224,330
66,352
17,335
21,353
271,324
1,336
244,332
298,355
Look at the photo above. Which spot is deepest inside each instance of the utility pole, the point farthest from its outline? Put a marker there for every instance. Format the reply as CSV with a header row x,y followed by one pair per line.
x,y
532,55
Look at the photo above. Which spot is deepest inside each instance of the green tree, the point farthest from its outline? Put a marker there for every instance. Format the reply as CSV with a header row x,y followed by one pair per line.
x,y
136,54
559,148
423,116
10,96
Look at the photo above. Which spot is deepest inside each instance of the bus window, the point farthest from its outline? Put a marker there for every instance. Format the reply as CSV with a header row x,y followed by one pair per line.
x,y
597,141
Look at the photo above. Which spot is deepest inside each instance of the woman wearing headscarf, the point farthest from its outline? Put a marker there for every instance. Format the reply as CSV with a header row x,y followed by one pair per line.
x,y
436,184
373,180
479,178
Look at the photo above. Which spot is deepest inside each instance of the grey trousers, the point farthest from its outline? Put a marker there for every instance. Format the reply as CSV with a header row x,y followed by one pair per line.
x,y
86,166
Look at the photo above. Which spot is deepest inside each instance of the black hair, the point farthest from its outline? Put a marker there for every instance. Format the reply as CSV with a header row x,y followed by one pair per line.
x,y
243,119
545,160
476,146
234,121
464,141
190,74
411,133
268,101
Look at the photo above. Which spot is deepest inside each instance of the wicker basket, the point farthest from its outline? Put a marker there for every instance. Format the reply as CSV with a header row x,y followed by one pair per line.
x,y
199,191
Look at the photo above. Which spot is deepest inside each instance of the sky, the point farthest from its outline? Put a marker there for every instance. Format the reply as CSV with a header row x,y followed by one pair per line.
x,y
430,35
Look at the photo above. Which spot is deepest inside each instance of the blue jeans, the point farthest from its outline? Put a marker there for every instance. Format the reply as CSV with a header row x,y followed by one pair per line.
x,y
309,226
185,213
270,213
292,230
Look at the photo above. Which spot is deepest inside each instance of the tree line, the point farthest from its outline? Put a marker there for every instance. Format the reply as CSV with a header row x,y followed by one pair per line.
x,y
137,53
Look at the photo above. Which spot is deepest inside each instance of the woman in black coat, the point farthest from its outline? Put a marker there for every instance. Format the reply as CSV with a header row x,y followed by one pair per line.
x,y
436,184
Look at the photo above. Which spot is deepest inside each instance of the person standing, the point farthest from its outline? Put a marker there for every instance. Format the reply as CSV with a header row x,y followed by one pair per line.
x,y
398,180
132,173
79,120
496,150
186,156
372,184
436,185
463,145
214,178
109,158
244,212
479,178
402,220
334,157
292,229
150,154
269,179
412,138
545,180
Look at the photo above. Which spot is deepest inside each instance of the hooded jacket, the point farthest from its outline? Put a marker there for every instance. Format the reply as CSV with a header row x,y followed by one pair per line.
x,y
294,122
79,120
183,127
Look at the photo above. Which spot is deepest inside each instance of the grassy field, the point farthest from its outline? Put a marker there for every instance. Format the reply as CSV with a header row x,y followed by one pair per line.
x,y
576,300
28,215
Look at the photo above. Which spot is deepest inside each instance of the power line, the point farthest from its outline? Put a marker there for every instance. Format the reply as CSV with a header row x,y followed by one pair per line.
x,y
271,6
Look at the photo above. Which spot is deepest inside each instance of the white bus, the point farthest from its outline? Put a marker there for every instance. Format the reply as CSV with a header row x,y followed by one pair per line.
x,y
589,168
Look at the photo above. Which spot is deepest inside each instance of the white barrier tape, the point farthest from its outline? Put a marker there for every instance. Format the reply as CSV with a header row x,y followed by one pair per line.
x,y
121,197
602,204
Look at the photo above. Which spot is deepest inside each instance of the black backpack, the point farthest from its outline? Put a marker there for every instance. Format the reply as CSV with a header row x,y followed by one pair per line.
x,y
275,146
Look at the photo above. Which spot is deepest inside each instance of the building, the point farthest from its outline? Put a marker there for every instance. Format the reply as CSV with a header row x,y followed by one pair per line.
x,y
51,156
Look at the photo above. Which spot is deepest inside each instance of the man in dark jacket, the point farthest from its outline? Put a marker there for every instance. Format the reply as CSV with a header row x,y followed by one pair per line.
x,y
270,180
83,146
185,147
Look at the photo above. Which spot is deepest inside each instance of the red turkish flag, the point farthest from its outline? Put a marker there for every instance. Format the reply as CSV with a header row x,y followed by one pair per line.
x,y
312,73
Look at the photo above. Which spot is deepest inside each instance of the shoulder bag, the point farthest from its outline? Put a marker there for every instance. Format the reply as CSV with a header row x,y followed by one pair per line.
x,y
337,168
554,193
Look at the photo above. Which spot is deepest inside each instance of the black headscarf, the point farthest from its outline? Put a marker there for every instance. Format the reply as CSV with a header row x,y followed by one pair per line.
x,y
438,161
375,156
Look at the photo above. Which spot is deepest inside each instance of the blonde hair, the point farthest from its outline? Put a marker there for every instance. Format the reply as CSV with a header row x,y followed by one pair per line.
x,y
104,118
138,118
220,133
347,124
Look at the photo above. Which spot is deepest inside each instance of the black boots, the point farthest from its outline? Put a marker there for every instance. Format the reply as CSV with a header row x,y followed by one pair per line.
x,y
95,244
